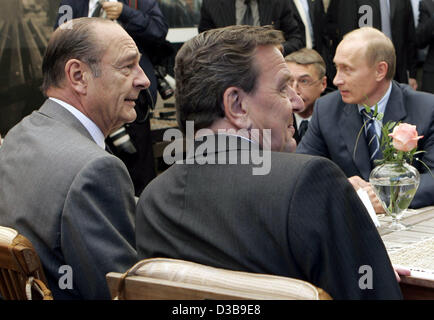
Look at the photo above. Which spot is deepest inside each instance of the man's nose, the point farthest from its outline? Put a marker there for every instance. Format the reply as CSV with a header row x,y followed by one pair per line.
x,y
337,80
141,81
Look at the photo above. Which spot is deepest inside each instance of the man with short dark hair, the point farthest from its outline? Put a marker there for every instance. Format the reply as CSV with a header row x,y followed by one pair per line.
x,y
300,219
365,61
59,187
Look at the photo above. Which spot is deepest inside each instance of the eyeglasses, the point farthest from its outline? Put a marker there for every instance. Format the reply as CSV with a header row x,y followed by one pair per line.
x,y
304,82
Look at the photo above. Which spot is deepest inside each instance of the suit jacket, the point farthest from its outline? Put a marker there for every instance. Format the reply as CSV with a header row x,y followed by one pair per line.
x,y
221,13
148,27
335,125
343,16
72,199
318,19
302,220
424,32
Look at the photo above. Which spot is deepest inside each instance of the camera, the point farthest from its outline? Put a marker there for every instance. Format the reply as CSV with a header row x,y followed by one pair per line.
x,y
163,86
122,141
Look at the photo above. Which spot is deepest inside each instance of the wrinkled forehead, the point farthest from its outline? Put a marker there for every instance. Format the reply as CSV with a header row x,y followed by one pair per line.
x,y
117,45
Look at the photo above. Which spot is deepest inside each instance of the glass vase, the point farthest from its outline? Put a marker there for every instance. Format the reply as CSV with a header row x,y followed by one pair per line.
x,y
395,185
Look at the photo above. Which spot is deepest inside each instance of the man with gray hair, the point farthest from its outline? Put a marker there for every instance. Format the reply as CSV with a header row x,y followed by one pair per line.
x,y
302,219
309,81
59,187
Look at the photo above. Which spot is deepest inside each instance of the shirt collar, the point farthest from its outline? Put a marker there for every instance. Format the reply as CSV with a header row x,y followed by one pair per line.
x,y
382,103
90,126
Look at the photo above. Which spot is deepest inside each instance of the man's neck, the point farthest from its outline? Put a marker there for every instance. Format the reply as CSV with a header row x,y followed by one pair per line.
x,y
378,95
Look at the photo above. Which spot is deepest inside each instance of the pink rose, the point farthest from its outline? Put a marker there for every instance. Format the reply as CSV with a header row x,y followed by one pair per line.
x,y
405,137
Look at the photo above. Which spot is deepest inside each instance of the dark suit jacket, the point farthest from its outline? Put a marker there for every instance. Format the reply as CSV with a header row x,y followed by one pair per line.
x,y
302,220
335,125
147,26
70,198
424,32
343,16
321,39
318,19
221,13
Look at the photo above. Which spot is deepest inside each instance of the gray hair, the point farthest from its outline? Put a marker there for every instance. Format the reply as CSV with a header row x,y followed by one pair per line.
x,y
73,40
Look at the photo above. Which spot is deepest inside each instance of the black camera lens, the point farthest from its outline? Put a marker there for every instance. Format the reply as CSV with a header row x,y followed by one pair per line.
x,y
122,141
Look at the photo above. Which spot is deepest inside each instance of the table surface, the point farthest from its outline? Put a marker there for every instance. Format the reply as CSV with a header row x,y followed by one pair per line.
x,y
412,248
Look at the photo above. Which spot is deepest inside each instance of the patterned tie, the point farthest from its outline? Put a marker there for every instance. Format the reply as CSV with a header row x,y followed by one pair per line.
x,y
371,136
303,128
248,16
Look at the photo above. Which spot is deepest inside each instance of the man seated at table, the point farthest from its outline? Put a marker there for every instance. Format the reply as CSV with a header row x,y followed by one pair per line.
x,y
365,60
296,216
72,199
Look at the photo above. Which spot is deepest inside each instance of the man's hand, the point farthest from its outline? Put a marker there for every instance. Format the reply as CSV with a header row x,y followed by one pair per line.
x,y
358,183
113,9
400,271
413,83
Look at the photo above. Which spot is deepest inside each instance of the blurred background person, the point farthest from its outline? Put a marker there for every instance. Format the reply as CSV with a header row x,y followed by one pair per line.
x,y
424,37
309,81
311,19
278,13
393,17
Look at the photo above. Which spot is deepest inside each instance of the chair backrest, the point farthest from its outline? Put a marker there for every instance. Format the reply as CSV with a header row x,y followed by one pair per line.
x,y
21,273
171,279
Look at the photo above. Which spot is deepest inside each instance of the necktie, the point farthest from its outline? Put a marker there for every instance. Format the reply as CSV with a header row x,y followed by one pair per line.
x,y
303,128
248,16
371,136
97,11
385,18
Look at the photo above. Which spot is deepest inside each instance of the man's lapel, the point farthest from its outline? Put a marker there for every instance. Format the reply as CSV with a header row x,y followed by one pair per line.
x,y
395,110
350,126
55,111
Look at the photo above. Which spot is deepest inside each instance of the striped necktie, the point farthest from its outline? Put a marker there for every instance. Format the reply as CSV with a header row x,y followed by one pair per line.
x,y
371,136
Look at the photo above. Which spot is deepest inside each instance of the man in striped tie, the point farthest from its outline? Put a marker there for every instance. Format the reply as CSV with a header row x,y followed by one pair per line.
x,y
365,60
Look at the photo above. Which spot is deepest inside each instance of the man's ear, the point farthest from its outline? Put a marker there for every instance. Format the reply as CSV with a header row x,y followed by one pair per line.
x,y
381,70
235,107
323,83
76,74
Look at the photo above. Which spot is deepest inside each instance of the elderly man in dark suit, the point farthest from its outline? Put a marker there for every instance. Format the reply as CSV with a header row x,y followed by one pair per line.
x,y
59,187
300,218
278,13
392,17
365,61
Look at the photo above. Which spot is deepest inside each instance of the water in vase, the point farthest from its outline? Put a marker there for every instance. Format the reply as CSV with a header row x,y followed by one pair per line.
x,y
395,198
